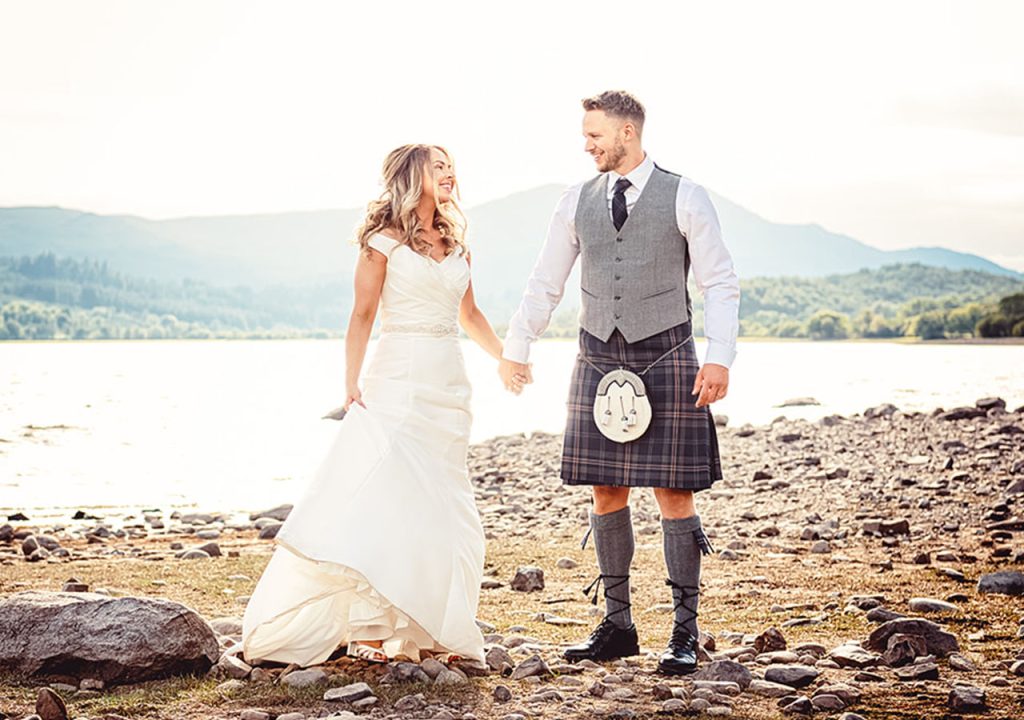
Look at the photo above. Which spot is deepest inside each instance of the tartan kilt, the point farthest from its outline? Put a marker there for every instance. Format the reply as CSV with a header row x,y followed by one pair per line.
x,y
679,449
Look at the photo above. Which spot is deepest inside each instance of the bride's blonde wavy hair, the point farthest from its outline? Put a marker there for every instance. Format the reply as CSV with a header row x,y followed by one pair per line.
x,y
396,207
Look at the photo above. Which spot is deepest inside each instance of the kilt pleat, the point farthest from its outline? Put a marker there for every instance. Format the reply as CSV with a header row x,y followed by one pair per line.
x,y
679,449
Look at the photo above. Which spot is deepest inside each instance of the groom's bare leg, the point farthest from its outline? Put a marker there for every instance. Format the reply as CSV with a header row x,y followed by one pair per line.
x,y
609,499
675,503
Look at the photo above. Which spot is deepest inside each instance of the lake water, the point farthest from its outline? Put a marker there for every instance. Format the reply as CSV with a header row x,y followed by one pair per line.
x,y
236,424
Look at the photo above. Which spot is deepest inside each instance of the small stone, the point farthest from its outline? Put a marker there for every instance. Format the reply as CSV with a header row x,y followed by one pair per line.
x,y
450,677
304,678
902,649
212,549
853,656
1004,582
269,532
528,578
194,555
939,641
796,676
966,699
567,563
961,662
291,716
50,705
827,702
432,667
822,546
233,667
532,667
73,585
699,705
674,705
254,715
931,605
770,640
769,689
724,670
279,513
922,671
348,693
231,686
498,659
800,706
227,626
502,694
91,684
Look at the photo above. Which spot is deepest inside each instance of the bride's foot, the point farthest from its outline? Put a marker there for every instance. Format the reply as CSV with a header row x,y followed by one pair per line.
x,y
369,650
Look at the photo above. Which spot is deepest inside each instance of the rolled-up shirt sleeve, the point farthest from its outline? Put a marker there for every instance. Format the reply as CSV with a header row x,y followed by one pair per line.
x,y
713,272
546,285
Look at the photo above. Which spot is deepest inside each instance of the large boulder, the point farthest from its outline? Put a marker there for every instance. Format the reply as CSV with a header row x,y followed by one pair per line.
x,y
117,640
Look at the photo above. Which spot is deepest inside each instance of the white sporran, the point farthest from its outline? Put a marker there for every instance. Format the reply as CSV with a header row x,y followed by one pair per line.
x,y
621,408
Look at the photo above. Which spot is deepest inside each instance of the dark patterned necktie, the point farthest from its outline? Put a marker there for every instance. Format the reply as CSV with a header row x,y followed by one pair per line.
x,y
619,213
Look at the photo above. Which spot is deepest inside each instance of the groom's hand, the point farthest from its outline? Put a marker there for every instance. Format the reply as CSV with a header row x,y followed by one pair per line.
x,y
711,384
514,375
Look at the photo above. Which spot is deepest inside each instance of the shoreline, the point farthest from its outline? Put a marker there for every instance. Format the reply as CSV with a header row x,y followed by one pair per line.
x,y
57,512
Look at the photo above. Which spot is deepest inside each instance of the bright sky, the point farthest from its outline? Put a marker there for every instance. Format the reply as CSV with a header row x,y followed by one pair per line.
x,y
899,123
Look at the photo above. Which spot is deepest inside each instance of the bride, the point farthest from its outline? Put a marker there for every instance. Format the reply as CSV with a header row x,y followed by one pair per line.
x,y
384,552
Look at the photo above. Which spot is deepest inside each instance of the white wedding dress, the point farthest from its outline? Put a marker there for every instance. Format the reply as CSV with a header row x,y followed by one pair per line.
x,y
386,542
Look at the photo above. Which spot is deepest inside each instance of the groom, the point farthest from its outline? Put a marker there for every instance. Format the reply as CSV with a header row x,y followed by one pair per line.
x,y
638,229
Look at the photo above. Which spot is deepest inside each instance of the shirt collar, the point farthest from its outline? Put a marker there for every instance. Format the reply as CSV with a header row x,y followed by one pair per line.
x,y
638,176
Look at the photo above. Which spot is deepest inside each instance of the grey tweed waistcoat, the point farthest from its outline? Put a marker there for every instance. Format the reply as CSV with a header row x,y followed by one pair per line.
x,y
633,279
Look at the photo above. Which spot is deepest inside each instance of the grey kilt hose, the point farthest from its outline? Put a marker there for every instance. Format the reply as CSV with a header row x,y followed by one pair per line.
x,y
679,449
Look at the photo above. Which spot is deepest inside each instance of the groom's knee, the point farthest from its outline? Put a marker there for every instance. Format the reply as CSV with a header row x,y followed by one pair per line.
x,y
609,499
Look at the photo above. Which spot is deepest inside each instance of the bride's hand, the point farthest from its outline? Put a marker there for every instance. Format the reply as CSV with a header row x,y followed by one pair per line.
x,y
354,395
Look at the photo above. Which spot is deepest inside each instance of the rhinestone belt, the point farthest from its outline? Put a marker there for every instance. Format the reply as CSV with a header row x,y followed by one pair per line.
x,y
437,330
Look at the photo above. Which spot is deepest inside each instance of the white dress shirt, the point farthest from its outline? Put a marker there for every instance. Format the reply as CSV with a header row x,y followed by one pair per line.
x,y
697,221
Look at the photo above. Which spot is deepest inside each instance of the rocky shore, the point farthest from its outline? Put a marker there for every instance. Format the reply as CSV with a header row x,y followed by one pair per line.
x,y
865,566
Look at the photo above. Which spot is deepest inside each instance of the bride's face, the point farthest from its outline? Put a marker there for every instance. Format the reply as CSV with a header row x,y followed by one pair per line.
x,y
439,174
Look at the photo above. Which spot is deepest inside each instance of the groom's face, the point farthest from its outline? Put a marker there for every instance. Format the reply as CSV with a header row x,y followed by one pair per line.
x,y
603,136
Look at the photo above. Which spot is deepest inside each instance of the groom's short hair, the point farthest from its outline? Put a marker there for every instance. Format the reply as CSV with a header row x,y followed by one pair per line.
x,y
618,104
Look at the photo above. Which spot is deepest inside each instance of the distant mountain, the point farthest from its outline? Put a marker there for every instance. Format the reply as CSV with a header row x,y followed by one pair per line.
x,y
315,247
762,248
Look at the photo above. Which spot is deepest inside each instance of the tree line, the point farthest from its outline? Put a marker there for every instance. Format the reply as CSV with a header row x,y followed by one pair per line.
x,y
50,297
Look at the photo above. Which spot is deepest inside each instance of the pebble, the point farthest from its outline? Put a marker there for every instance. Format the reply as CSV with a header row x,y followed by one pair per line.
x,y
304,678
528,578
1004,582
796,676
348,693
967,699
534,666
931,605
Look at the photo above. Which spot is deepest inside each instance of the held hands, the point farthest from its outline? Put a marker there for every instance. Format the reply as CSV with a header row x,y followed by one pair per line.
x,y
711,384
515,375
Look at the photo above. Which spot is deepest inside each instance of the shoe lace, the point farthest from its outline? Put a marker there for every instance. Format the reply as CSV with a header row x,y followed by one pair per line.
x,y
608,587
681,637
